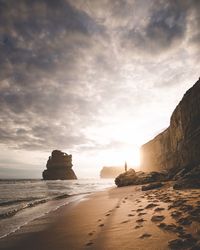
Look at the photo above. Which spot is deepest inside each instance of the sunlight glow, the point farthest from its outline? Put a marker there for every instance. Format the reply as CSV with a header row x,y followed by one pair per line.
x,y
132,157
118,157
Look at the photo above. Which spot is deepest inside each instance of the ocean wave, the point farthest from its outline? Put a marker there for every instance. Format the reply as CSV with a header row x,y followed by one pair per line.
x,y
14,211
17,201
21,200
62,196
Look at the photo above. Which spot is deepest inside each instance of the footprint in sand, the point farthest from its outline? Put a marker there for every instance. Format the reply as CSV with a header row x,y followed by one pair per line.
x,y
183,243
140,220
155,200
138,226
108,214
176,214
131,215
166,200
158,209
186,208
184,221
177,203
89,243
145,235
157,218
171,227
149,198
140,214
185,235
100,220
117,206
151,205
101,225
139,209
125,221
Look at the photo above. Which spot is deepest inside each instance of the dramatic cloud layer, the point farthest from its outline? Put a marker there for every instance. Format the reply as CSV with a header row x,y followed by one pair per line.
x,y
94,78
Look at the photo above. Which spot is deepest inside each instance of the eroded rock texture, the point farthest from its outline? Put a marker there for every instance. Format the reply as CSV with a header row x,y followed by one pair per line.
x,y
137,178
59,167
190,179
178,147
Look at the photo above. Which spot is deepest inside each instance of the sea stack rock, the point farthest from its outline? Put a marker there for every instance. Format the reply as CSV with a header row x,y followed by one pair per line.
x,y
59,167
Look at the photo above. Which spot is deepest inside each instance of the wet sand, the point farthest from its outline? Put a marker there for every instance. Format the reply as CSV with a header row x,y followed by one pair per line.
x,y
118,218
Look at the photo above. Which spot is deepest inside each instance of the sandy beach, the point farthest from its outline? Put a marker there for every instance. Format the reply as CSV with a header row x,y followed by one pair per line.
x,y
118,218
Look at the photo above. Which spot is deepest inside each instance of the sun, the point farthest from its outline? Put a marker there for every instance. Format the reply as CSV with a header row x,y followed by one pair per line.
x,y
130,155
118,157
120,142
127,148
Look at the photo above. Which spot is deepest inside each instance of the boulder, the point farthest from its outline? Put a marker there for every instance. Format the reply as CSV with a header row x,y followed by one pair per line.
x,y
151,186
59,167
150,177
191,179
138,178
126,178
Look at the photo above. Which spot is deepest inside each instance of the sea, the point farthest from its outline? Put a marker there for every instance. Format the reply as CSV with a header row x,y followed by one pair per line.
x,y
22,201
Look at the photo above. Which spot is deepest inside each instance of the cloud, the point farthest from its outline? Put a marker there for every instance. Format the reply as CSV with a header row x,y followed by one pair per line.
x,y
161,29
69,68
40,41
193,26
35,34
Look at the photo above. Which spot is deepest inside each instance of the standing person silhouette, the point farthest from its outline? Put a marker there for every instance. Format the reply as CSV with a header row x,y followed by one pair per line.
x,y
125,166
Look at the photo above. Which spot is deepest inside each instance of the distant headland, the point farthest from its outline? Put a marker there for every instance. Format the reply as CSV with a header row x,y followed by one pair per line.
x,y
59,167
111,172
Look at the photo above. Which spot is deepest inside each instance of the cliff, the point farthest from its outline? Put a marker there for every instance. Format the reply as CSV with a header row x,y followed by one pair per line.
x,y
59,167
178,146
111,172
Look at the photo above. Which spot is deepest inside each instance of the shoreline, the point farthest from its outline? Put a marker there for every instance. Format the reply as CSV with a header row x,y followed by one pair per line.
x,y
45,221
115,218
43,198
76,198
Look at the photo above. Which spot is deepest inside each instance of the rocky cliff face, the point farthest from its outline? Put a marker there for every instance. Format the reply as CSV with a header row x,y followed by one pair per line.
x,y
59,167
178,146
111,172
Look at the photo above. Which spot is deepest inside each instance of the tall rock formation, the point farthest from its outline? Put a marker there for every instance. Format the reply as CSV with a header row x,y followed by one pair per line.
x,y
59,167
178,146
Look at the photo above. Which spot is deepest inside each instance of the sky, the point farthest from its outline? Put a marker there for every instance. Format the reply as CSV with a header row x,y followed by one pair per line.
x,y
95,79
